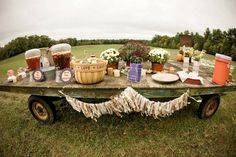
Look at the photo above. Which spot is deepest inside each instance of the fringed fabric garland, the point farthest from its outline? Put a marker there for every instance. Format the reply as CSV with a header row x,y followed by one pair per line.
x,y
128,101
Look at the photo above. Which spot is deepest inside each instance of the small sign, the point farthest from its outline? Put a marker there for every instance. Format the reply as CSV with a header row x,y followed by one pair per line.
x,y
38,76
66,75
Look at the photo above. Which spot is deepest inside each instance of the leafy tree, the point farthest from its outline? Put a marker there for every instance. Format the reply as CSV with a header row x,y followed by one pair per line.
x,y
217,36
45,41
71,41
186,32
198,41
225,47
233,52
173,43
207,34
207,45
213,41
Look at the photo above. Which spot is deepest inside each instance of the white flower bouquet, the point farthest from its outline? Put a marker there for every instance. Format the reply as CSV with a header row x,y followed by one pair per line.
x,y
188,51
158,55
197,55
111,55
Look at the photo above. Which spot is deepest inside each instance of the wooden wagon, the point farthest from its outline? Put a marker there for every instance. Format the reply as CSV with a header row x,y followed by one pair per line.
x,y
44,93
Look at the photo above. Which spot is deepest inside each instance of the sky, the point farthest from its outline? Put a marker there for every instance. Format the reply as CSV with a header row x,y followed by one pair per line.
x,y
112,19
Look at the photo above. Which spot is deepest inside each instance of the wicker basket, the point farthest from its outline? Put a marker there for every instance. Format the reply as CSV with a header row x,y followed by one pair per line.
x,y
90,73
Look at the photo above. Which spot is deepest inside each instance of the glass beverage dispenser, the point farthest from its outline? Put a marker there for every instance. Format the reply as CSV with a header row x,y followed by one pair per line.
x,y
61,54
33,59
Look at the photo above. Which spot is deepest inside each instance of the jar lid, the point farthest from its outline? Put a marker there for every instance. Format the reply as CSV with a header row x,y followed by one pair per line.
x,y
223,57
32,53
60,48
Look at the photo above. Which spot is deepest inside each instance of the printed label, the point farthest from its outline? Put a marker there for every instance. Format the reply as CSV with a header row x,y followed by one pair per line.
x,y
66,75
38,75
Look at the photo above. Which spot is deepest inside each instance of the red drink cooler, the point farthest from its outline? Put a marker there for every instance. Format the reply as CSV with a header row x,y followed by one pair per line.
x,y
221,70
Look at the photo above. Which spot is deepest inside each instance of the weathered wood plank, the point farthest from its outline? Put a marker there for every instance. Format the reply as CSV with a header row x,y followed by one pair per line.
x,y
150,92
112,86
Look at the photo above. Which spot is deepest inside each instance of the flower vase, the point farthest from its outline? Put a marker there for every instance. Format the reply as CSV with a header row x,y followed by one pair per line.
x,y
135,72
157,67
186,64
112,65
196,65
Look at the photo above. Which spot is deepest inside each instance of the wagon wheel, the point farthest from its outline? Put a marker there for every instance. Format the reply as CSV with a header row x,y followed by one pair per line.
x,y
42,109
208,106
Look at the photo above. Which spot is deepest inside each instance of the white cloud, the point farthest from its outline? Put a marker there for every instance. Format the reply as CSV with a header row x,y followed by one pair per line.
x,y
112,18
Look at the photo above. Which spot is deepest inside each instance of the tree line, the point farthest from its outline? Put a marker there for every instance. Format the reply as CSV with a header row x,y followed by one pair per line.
x,y
213,41
22,44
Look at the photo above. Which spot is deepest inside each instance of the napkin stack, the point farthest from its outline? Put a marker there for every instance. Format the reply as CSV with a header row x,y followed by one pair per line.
x,y
191,77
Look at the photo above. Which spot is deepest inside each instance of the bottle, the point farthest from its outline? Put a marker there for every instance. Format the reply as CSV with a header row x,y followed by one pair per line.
x,y
44,61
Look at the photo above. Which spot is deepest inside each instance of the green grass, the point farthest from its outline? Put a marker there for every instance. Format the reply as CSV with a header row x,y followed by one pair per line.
x,y
182,134
86,51
78,51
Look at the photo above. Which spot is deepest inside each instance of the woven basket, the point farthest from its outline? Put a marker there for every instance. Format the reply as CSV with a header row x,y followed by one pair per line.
x,y
90,73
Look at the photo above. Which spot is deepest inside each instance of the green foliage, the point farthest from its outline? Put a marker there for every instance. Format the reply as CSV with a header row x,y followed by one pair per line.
x,y
206,45
186,32
71,41
111,55
233,52
215,41
134,49
136,60
21,44
198,41
36,41
158,55
132,135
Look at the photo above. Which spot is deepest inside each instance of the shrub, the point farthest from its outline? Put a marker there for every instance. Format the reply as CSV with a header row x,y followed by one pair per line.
x,y
134,49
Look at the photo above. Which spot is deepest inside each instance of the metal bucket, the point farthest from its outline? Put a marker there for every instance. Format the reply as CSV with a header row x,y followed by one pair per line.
x,y
49,73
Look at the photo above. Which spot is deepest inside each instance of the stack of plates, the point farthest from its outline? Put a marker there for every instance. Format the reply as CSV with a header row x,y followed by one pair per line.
x,y
165,77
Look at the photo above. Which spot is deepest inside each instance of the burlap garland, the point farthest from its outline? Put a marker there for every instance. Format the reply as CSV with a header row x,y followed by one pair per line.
x,y
128,101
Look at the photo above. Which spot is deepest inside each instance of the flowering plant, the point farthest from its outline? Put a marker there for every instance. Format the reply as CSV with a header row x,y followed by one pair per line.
x,y
188,51
136,60
197,55
111,55
159,55
134,49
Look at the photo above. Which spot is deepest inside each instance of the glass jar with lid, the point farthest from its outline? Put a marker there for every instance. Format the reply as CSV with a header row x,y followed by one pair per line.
x,y
32,57
61,54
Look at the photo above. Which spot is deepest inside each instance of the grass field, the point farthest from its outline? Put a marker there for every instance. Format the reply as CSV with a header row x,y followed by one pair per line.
x,y
182,134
